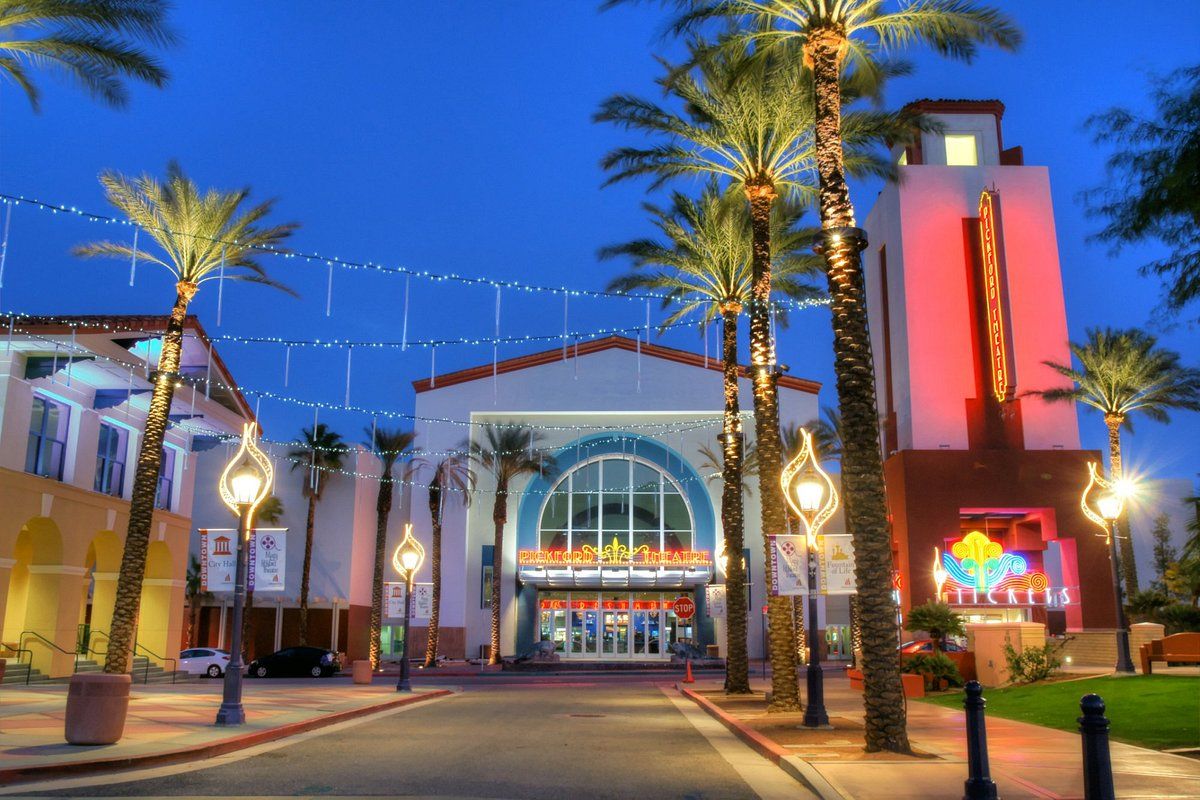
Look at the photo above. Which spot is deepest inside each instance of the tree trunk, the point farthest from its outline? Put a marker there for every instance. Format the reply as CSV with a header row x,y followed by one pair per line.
x,y
785,691
499,517
306,568
383,508
737,663
435,613
862,466
1128,566
145,487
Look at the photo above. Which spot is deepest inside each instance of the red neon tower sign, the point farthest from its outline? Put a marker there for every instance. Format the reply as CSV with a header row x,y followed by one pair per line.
x,y
995,291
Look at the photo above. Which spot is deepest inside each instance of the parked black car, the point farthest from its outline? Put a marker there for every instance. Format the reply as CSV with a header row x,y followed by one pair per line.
x,y
293,662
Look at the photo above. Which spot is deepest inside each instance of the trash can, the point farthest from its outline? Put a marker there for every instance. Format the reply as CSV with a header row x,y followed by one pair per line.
x,y
714,651
362,671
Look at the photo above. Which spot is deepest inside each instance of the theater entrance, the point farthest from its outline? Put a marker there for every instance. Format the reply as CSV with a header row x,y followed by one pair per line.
x,y
612,625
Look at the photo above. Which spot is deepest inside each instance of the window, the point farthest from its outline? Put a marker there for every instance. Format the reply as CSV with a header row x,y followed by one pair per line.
x,y
47,448
960,150
166,480
616,497
485,576
110,460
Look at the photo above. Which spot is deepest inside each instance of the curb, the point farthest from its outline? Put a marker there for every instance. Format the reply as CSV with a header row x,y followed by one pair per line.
x,y
797,767
30,773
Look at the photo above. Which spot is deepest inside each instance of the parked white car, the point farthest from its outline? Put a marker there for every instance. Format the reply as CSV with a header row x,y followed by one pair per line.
x,y
204,661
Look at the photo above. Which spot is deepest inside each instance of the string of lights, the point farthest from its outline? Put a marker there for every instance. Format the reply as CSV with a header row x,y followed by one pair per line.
x,y
13,200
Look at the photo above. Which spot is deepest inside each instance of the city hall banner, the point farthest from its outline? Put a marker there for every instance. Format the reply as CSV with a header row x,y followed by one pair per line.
x,y
393,600
267,559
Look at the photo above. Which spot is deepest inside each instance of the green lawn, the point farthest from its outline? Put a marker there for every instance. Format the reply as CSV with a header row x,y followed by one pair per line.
x,y
1158,711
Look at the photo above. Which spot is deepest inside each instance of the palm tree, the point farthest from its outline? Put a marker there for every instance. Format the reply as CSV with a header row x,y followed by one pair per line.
x,y
94,42
842,44
320,451
748,123
194,594
506,451
200,237
707,272
451,474
389,445
1125,372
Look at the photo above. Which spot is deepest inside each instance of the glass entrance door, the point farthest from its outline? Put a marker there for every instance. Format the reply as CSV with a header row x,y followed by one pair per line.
x,y
611,625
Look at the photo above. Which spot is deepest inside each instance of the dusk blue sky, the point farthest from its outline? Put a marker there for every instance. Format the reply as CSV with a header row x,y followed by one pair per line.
x,y
457,137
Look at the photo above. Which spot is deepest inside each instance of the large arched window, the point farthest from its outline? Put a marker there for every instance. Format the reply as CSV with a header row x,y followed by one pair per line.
x,y
617,497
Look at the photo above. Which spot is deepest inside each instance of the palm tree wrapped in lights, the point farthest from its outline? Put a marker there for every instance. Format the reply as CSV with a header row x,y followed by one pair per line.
x,y
200,237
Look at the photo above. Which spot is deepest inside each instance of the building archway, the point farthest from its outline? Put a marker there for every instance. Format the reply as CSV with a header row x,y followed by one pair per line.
x,y
103,564
155,615
34,611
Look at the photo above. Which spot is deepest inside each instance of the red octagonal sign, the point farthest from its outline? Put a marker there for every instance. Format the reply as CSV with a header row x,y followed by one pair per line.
x,y
684,608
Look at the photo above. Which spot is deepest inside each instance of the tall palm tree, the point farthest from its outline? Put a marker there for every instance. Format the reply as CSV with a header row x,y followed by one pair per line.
x,y
200,237
1121,373
97,43
320,453
748,123
194,594
506,451
703,267
453,475
389,445
843,44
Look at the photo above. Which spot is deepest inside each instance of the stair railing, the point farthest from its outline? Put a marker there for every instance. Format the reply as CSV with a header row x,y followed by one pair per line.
x,y
5,646
145,652
24,637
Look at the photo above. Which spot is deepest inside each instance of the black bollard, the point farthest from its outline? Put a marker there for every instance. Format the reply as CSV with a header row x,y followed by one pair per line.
x,y
979,784
1097,765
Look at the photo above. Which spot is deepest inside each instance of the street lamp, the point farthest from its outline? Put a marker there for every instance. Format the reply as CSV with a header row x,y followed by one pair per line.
x,y
244,484
407,559
1108,499
814,502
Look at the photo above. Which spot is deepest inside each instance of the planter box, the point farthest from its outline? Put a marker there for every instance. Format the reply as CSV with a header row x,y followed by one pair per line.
x,y
362,671
96,707
914,685
856,679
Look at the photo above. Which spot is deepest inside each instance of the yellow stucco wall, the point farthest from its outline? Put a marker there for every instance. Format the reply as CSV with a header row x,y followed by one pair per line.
x,y
58,545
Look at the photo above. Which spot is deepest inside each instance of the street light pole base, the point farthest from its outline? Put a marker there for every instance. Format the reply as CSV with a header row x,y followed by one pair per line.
x,y
231,714
404,686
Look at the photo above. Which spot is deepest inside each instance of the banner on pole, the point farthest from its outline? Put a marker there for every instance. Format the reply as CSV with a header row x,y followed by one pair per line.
x,y
267,559
788,567
714,601
836,552
393,600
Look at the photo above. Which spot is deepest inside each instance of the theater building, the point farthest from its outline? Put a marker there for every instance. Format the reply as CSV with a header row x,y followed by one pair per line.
x,y
596,552
966,303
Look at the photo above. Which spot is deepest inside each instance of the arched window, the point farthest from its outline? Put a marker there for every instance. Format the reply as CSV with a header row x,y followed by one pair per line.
x,y
617,497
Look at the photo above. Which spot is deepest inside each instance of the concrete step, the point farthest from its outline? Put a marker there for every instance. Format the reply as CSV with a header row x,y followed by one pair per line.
x,y
15,674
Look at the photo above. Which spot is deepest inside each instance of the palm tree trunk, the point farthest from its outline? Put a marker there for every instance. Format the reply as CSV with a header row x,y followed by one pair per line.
x,y
737,664
435,613
193,623
145,488
785,691
499,517
1128,566
862,466
383,508
306,569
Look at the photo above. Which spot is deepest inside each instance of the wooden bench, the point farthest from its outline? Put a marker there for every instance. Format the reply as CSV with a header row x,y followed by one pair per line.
x,y
1178,648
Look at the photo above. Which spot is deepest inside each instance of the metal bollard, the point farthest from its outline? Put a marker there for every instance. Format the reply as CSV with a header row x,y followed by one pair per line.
x,y
1097,765
979,784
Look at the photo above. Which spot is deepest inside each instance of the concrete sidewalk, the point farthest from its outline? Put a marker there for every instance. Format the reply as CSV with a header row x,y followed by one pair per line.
x,y
1027,761
169,724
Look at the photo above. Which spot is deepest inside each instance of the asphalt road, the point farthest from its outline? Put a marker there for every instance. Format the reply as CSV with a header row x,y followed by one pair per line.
x,y
550,740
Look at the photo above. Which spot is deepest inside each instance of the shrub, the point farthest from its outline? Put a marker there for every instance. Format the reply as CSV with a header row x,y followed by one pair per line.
x,y
1143,606
934,668
938,619
1033,663
1178,618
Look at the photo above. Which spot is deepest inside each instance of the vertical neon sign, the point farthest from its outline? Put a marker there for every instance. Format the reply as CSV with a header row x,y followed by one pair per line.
x,y
995,288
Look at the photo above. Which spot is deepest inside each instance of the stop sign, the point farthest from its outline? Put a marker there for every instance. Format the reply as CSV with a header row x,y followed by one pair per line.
x,y
684,607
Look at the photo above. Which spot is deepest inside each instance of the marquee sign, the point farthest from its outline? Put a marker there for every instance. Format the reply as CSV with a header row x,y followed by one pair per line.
x,y
995,294
977,571
614,554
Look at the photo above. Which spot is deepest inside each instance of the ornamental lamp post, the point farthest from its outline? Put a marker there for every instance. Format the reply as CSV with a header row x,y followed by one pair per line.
x,y
814,502
1102,502
244,484
407,560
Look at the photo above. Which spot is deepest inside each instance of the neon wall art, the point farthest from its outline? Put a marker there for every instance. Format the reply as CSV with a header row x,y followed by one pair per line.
x,y
977,571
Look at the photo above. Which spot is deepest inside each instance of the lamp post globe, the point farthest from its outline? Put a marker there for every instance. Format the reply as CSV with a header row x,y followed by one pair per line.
x,y
244,484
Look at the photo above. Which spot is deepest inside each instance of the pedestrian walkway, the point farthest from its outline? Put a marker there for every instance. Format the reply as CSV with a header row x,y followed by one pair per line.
x,y
173,723
1027,761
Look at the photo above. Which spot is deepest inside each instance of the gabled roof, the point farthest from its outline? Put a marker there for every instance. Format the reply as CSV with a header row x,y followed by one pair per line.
x,y
122,326
596,346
